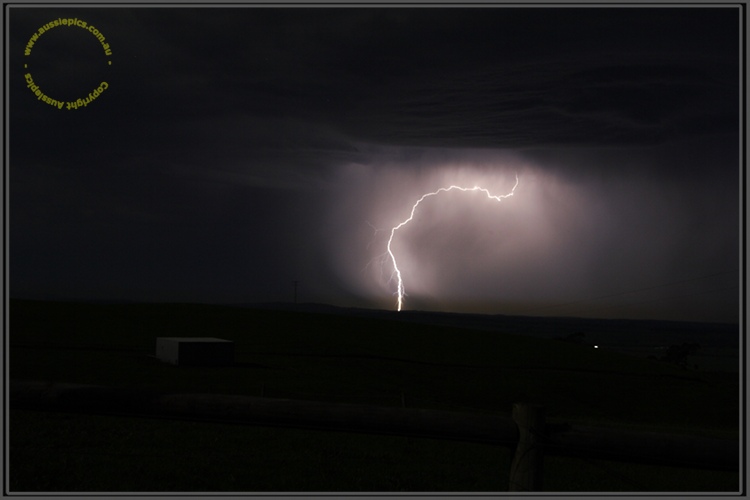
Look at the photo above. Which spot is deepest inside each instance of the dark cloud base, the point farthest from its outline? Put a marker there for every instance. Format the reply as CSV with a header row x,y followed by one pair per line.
x,y
239,149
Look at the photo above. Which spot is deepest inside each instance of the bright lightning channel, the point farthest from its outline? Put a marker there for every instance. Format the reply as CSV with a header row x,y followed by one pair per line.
x,y
401,291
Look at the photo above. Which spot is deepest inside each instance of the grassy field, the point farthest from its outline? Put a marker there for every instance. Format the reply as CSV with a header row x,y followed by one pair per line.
x,y
336,358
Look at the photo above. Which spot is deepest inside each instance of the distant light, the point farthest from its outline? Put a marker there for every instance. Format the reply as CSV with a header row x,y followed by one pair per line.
x,y
596,347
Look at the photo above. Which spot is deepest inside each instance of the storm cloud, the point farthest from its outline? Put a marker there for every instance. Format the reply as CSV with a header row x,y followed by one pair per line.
x,y
238,149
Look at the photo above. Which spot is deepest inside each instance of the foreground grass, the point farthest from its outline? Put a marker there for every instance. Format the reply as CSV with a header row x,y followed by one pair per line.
x,y
331,358
60,452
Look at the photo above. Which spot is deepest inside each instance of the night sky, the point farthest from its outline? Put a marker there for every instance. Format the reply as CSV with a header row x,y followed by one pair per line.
x,y
236,150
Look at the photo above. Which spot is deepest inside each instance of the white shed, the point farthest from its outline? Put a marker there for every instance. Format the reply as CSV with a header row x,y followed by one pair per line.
x,y
195,351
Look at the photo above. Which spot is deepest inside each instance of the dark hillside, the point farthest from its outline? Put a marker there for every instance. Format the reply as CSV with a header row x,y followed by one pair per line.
x,y
332,356
363,359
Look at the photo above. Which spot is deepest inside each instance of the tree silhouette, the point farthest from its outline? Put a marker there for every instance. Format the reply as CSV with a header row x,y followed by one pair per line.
x,y
678,354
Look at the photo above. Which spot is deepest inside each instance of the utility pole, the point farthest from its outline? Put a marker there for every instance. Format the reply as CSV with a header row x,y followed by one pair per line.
x,y
295,282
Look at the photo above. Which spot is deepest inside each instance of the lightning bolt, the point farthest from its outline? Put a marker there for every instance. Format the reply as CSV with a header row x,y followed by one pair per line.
x,y
401,291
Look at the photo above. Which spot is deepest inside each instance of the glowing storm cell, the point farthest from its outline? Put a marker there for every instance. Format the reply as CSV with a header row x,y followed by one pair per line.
x,y
397,272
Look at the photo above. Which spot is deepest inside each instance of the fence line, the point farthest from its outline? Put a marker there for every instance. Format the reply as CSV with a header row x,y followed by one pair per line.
x,y
526,434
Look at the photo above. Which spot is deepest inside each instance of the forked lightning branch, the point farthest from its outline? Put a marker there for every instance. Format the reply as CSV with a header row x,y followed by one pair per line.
x,y
401,291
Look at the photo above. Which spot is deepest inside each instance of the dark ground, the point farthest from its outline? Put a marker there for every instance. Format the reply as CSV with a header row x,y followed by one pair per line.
x,y
347,357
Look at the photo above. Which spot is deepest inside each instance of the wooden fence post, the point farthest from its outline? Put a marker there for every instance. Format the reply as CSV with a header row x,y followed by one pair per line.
x,y
526,469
